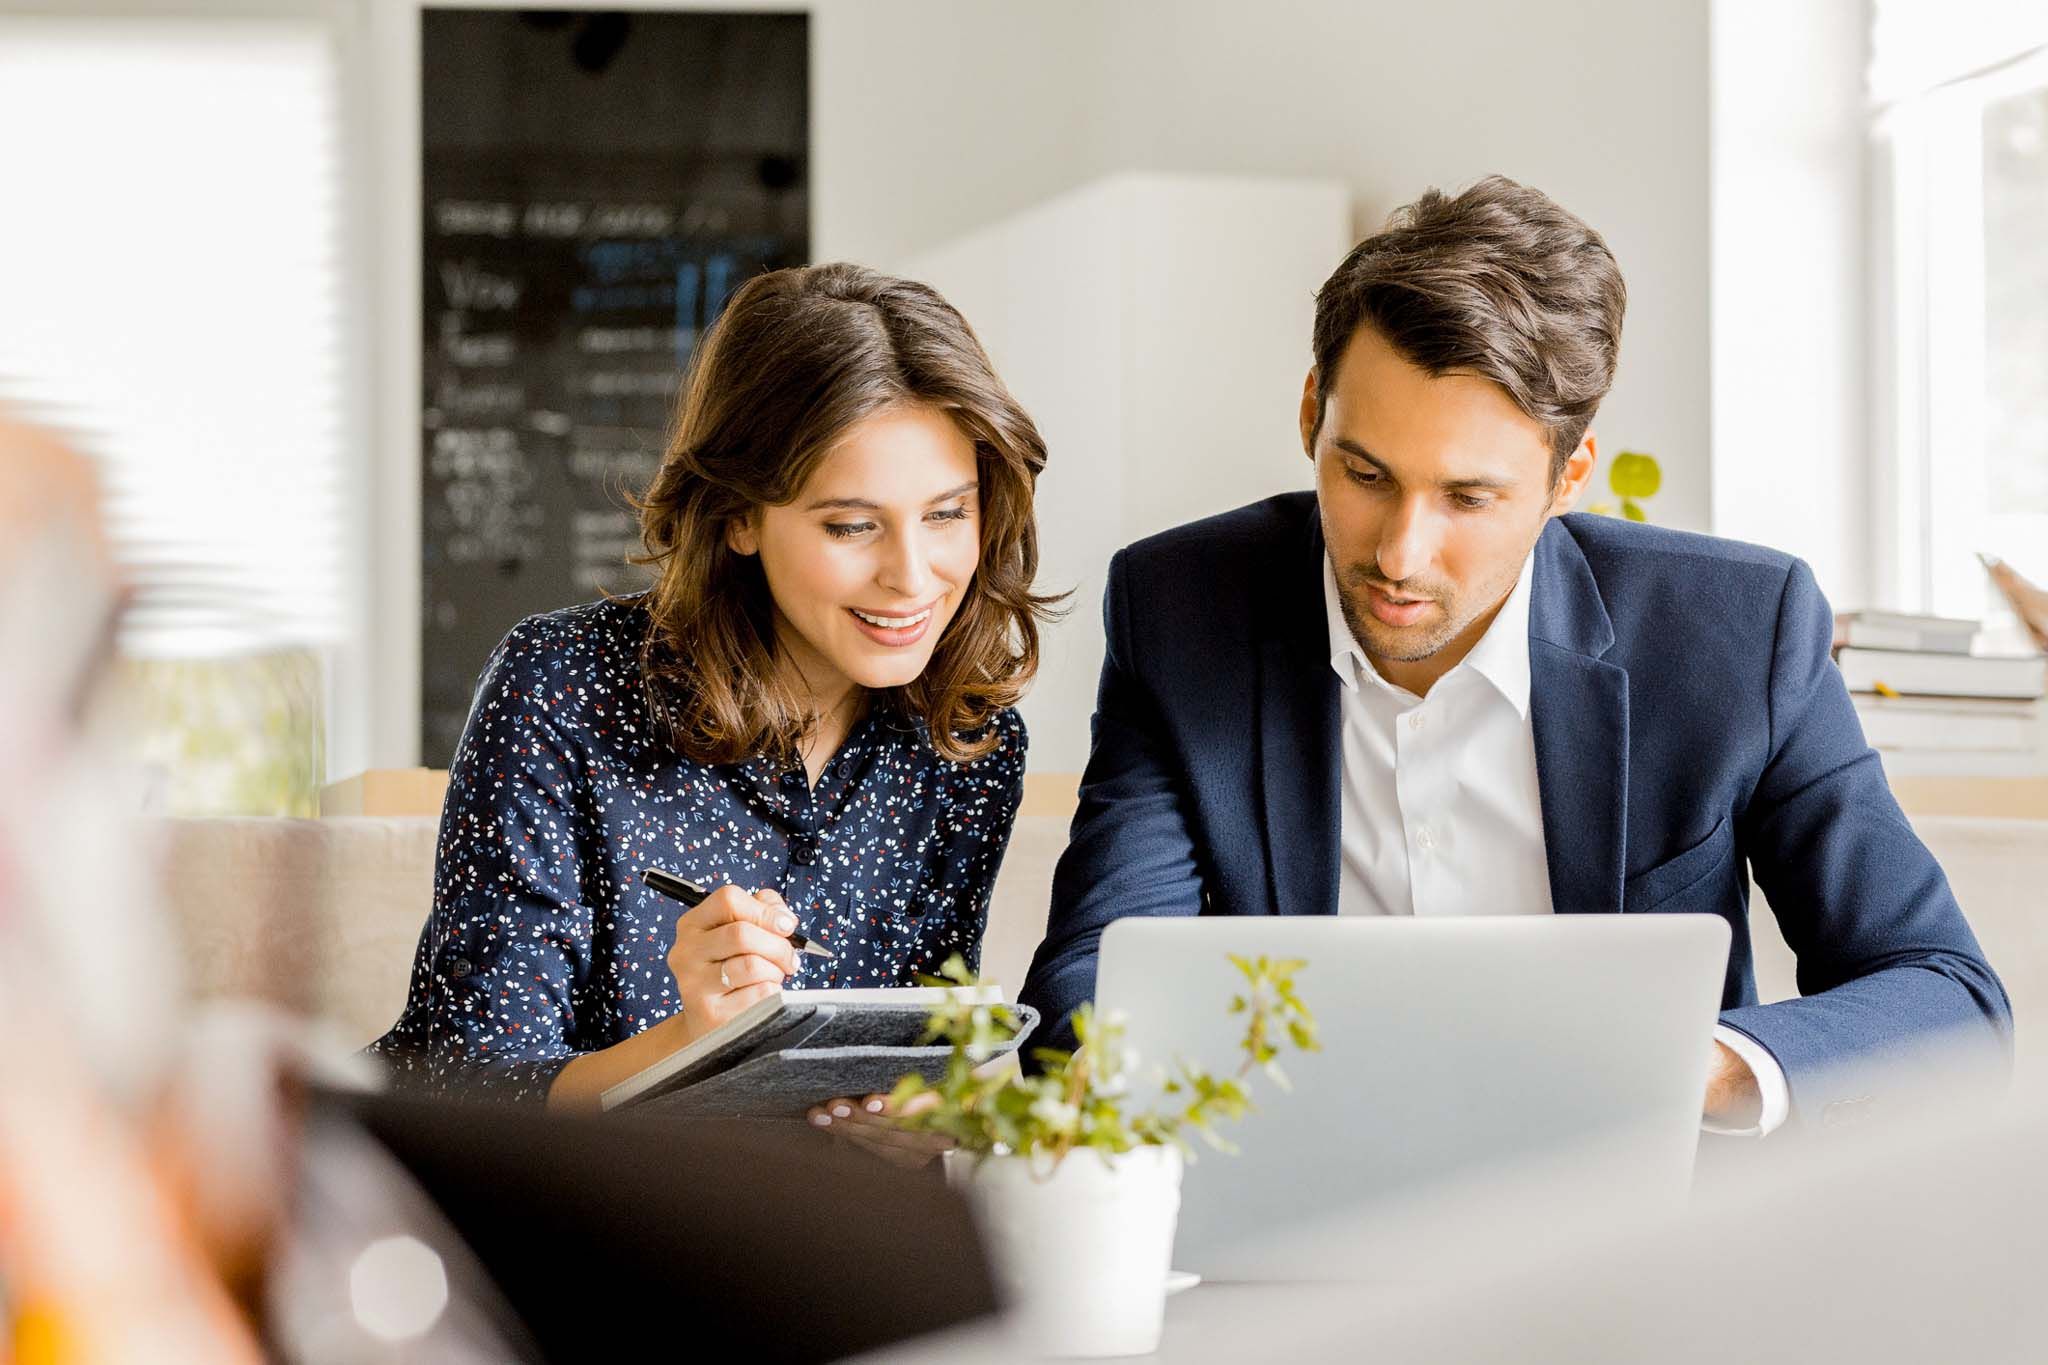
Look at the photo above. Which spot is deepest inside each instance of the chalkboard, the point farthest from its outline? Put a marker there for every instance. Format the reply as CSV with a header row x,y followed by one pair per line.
x,y
595,185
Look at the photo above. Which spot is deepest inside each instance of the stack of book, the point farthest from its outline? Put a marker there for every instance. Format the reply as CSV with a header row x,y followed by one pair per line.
x,y
1930,705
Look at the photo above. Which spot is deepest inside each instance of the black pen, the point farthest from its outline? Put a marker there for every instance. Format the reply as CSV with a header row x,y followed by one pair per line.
x,y
692,895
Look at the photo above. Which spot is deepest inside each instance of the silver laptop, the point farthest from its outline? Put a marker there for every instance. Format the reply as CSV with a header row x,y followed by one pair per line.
x,y
1449,1047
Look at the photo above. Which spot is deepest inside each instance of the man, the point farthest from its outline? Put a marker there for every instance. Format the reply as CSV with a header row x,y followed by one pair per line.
x,y
1424,690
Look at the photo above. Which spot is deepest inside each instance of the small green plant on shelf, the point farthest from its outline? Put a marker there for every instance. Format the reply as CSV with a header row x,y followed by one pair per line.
x,y
1635,478
1082,1099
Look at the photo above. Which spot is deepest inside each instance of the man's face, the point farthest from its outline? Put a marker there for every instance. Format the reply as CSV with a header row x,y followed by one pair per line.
x,y
1432,492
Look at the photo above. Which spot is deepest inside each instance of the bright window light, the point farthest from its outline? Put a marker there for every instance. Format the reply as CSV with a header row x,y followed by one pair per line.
x,y
169,297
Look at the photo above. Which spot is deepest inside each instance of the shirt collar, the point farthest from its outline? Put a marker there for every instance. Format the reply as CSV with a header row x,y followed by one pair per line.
x,y
1501,656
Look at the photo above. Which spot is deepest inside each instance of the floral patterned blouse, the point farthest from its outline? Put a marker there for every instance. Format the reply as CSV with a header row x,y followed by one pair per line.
x,y
543,943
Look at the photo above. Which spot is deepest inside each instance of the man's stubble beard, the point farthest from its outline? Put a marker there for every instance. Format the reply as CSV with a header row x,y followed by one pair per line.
x,y
1358,620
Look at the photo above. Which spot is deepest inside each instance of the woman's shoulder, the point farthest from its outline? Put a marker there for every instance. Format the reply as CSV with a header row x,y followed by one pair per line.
x,y
597,634
571,658
1004,759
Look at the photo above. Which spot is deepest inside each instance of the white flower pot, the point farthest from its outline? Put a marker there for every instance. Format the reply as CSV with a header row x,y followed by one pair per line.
x,y
1080,1250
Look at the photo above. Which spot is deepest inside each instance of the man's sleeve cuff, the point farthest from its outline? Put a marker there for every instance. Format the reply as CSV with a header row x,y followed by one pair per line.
x,y
1770,1083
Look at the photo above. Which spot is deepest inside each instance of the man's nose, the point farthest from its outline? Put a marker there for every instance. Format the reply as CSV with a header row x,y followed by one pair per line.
x,y
1408,541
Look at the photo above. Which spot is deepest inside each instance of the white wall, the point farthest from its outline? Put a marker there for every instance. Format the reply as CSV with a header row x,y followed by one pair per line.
x,y
1599,103
931,118
934,118
1154,326
1793,463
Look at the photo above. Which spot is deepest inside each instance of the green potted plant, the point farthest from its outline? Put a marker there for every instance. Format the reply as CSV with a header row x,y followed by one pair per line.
x,y
1635,479
1074,1172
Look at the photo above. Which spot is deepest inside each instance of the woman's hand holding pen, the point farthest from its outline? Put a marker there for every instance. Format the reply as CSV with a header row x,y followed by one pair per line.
x,y
730,951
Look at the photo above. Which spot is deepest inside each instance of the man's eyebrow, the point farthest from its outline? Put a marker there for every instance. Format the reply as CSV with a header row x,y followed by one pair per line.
x,y
863,505
1351,447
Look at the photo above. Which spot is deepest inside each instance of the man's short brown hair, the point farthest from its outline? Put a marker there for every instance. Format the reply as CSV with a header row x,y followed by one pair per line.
x,y
1498,282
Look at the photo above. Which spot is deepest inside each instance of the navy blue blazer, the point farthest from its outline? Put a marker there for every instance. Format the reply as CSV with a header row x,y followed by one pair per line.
x,y
1690,727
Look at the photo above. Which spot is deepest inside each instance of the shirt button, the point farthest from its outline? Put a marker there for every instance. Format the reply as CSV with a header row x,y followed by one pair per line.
x,y
1426,837
459,968
1415,720
803,849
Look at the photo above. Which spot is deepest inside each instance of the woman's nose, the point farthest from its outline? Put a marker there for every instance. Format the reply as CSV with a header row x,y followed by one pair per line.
x,y
906,569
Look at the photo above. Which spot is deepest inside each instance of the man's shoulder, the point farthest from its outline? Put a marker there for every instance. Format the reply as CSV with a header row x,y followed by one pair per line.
x,y
1623,551
1672,584
1614,541
1229,544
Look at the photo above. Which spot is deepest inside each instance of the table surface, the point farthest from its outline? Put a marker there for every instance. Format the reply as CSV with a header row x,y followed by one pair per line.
x,y
1210,1322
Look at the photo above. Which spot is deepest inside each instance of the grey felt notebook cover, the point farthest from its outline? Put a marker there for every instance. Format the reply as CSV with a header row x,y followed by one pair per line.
x,y
839,1050
790,1025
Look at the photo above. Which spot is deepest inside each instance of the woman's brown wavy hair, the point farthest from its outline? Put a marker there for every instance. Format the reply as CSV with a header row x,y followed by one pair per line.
x,y
795,360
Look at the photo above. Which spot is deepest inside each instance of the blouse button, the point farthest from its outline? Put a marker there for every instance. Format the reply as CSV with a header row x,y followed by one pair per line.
x,y
803,849
459,968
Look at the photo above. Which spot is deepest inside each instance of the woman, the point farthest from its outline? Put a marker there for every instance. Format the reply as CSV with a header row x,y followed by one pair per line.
x,y
812,709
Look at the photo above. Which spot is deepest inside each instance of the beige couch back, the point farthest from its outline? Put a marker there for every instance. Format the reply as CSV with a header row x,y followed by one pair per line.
x,y
322,915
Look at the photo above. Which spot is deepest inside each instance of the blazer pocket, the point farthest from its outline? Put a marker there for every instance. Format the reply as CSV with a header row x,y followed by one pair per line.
x,y
1651,888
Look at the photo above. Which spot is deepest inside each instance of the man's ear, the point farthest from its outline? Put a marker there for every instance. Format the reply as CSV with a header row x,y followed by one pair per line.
x,y
1308,414
1578,472
743,535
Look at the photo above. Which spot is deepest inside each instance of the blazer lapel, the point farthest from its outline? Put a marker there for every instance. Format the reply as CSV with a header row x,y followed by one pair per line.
x,y
1299,753
1300,772
1579,711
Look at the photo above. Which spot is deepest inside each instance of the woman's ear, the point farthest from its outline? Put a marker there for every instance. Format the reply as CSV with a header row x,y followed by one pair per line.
x,y
743,535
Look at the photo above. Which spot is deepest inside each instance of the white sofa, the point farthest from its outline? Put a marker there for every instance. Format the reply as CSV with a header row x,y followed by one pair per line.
x,y
322,915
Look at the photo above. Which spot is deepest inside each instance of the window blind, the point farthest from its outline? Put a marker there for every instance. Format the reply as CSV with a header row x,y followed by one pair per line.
x,y
170,299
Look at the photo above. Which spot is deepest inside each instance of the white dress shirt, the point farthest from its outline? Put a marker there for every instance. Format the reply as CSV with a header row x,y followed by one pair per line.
x,y
1442,813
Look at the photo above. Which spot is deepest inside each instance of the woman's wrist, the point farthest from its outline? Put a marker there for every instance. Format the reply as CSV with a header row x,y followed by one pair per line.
x,y
581,1083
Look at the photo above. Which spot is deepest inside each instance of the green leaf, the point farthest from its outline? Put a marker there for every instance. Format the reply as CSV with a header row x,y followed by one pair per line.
x,y
1633,510
1634,475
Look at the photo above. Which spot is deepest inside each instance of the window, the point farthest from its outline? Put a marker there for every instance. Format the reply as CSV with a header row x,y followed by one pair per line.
x,y
171,295
1961,131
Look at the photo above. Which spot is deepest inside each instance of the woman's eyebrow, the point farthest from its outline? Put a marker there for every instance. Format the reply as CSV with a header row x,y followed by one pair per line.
x,y
863,505
952,493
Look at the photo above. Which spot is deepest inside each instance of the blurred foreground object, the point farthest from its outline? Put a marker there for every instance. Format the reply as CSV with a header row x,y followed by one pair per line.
x,y
732,1240
43,486
2029,603
97,1260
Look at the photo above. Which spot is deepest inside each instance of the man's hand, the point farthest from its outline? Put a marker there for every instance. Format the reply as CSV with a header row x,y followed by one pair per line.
x,y
1733,1099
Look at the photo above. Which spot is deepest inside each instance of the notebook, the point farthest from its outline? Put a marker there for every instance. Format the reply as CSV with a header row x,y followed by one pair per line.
x,y
793,1049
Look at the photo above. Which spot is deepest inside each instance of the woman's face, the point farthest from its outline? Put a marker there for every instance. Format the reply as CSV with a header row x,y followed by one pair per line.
x,y
869,563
